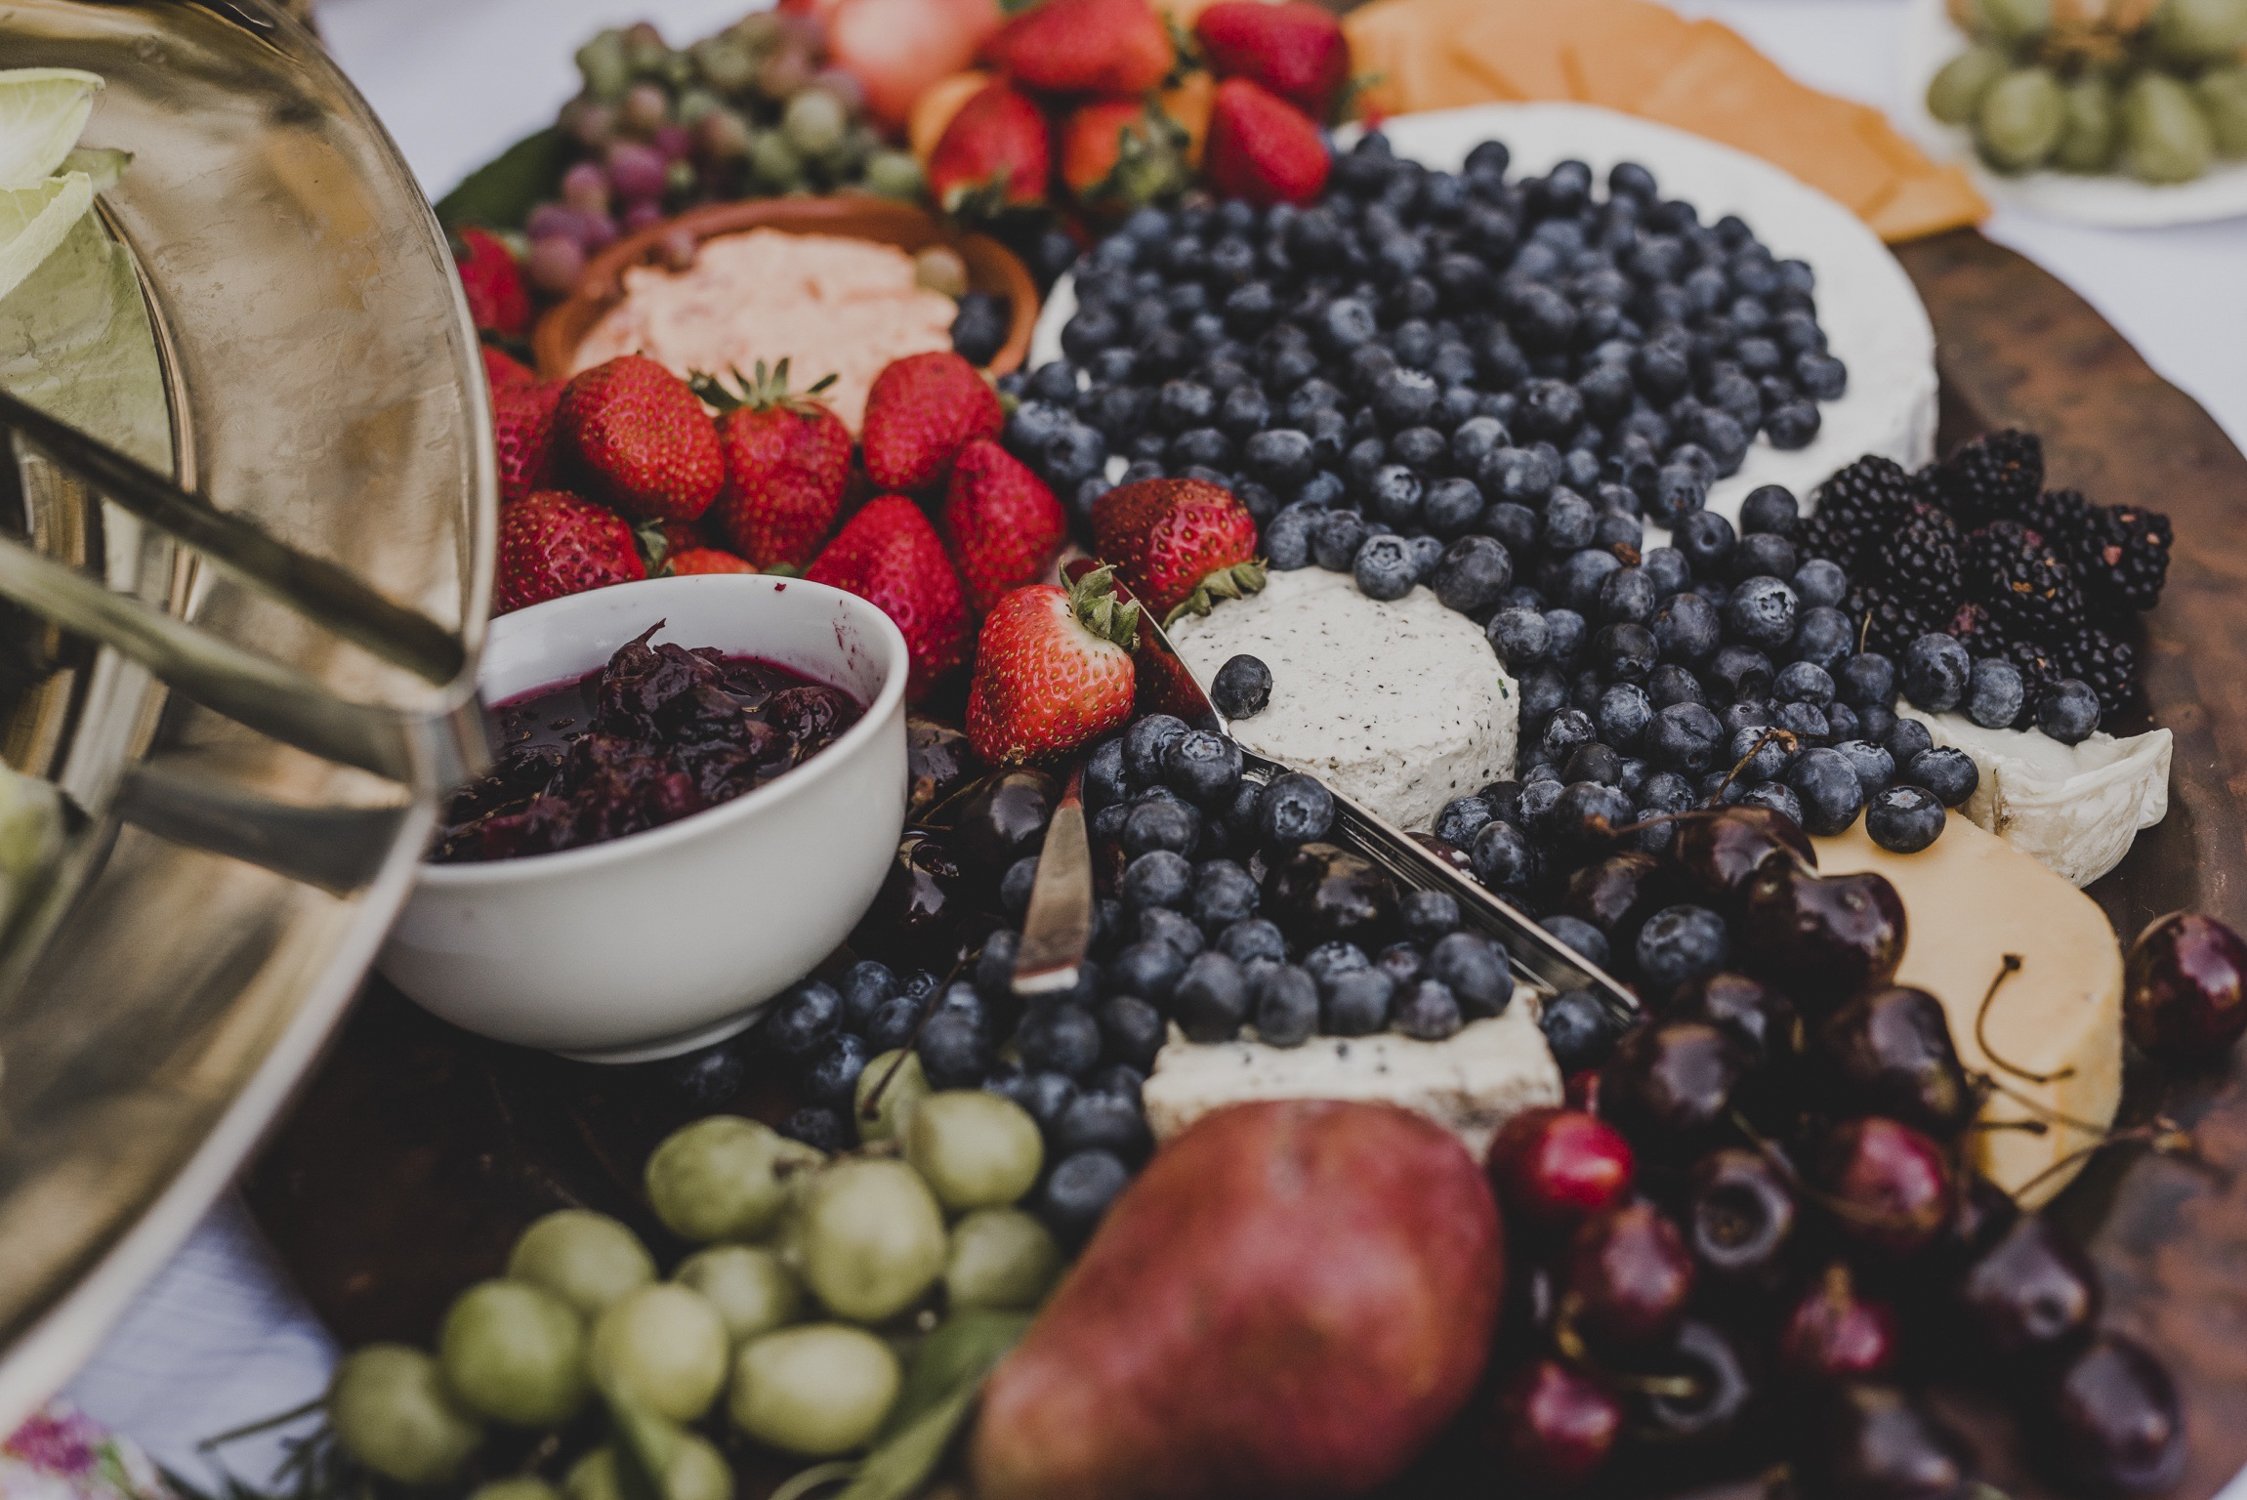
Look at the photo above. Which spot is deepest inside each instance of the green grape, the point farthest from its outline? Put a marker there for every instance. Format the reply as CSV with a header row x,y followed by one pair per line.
x,y
1956,90
692,1470
515,1353
2089,134
816,1391
893,174
899,1094
2165,135
976,1150
869,1238
389,1409
2013,21
518,1487
723,1178
602,64
2019,120
1001,1258
662,1347
752,1289
773,164
2223,95
587,1259
815,122
2199,31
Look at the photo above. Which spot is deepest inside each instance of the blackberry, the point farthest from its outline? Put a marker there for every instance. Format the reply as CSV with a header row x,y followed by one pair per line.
x,y
2021,580
1888,623
2061,517
2105,661
1924,564
1859,509
1991,478
2121,553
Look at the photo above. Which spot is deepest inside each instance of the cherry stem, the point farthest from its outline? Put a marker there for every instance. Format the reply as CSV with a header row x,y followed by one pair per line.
x,y
2036,1107
1785,737
2010,966
262,1424
2163,1136
1840,1208
1688,814
1570,1342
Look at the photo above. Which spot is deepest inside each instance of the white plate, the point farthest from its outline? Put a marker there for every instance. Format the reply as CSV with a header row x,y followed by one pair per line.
x,y
2110,201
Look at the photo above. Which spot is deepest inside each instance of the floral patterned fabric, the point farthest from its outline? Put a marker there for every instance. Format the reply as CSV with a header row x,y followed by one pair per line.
x,y
63,1454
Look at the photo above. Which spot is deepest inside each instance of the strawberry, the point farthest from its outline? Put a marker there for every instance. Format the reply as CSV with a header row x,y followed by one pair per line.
x,y
1003,525
1263,148
691,560
503,369
898,49
920,411
1085,47
889,555
1121,153
787,461
1179,543
993,155
1053,671
552,543
1296,49
523,432
641,438
498,300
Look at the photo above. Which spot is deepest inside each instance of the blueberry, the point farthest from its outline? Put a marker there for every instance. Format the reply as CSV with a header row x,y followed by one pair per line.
x,y
1428,915
1679,491
1063,1039
1078,1191
1741,672
1401,961
1828,786
1948,772
954,1051
1242,687
1874,766
1905,819
1475,972
1791,425
1578,1029
2068,711
1355,1002
1295,809
1286,1005
1474,571
1160,823
1803,682
1758,754
832,1076
1427,1011
1158,878
865,986
1461,819
1685,737
994,966
1148,967
1147,743
1706,539
1582,576
1204,766
1330,960
1451,506
1775,795
1159,924
1764,555
1670,683
1936,670
1287,539
1210,1002
1686,628
1762,612
1805,721
1252,940
1578,936
1566,730
1503,858
821,1127
1680,944
1524,475
1867,680
1622,714
1906,739
1824,636
1627,596
1821,376
1384,567
1405,398
1074,454
805,1015
1101,1121
1520,638
892,1023
1224,893
1994,693
1334,546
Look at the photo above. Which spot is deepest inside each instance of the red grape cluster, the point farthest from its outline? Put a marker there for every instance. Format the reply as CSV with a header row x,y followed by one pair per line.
x,y
1757,1231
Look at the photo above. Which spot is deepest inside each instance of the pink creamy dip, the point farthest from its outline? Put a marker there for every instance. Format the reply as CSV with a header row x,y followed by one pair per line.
x,y
821,301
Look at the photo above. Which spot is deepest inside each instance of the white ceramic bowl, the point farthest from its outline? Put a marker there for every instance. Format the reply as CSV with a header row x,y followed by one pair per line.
x,y
667,940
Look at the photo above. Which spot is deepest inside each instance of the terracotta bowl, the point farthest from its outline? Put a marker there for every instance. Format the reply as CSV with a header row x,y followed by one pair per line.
x,y
991,267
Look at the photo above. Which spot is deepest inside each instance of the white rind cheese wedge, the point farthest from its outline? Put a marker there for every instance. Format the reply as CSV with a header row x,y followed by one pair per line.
x,y
1470,1084
1402,704
2075,809
1969,900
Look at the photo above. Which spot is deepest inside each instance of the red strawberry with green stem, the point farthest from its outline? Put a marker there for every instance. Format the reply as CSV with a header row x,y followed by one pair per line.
x,y
1296,49
552,543
787,461
639,437
688,561
1085,47
1003,524
996,154
1263,148
1122,153
523,437
492,280
889,555
1053,671
1181,544
920,411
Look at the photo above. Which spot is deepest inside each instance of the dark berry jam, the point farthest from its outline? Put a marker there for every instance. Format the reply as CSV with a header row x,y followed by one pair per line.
x,y
658,734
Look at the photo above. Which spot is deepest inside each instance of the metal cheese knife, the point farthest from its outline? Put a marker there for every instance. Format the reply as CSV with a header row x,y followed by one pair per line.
x,y
1053,949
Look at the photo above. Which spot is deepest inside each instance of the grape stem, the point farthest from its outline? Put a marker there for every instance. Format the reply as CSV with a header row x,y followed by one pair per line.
x,y
2163,1136
262,1424
2006,969
1785,738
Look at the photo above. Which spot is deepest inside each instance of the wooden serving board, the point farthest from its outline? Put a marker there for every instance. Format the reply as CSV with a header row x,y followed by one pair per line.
x,y
417,1152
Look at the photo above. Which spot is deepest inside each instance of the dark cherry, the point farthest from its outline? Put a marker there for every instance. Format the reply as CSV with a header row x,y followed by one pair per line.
x,y
2031,1295
1003,819
1870,1442
1670,1085
1983,1212
1757,1015
1719,1392
1720,856
1555,1168
1822,937
1548,1428
1445,850
1740,1215
1887,1186
918,911
938,763
1627,1278
1616,895
1836,1332
1580,1090
2111,1421
2184,996
1889,1052
1321,893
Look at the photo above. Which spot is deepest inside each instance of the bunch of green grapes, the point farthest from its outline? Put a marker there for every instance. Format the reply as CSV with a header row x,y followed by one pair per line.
x,y
814,1273
2161,103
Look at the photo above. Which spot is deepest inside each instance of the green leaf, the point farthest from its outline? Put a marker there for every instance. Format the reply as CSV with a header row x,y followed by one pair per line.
x,y
643,1451
501,193
958,1354
903,1465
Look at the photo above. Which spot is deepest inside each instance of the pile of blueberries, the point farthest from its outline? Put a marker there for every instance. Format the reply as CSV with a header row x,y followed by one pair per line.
x,y
1423,344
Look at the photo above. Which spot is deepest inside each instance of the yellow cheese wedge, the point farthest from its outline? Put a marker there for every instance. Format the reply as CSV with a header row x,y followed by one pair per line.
x,y
1969,900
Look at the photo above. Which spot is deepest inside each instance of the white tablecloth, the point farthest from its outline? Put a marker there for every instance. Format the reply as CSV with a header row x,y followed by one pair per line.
x,y
219,1339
